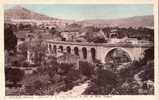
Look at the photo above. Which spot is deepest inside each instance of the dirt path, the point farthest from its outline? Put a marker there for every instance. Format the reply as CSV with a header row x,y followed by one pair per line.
x,y
138,79
75,91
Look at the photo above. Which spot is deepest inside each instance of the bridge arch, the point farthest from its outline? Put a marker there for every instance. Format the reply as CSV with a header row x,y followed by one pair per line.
x,y
84,52
76,51
126,53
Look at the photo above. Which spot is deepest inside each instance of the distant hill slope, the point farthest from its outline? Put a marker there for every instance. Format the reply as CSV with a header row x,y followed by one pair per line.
x,y
137,21
19,12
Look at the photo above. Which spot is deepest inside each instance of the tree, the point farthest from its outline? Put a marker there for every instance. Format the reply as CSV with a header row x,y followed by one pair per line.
x,y
21,26
85,68
13,75
65,68
99,40
148,73
38,48
54,31
105,78
10,40
23,49
149,54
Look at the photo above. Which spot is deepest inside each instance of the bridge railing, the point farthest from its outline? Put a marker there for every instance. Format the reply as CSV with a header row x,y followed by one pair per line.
x,y
123,44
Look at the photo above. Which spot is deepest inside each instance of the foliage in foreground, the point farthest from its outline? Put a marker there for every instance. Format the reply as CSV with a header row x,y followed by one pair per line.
x,y
57,78
106,82
62,77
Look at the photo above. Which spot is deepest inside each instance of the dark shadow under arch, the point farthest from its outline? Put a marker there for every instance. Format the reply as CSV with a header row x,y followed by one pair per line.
x,y
55,49
93,54
84,51
76,51
68,49
50,47
61,48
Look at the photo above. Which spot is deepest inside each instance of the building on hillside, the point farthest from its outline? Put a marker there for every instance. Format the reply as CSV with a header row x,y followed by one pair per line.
x,y
69,35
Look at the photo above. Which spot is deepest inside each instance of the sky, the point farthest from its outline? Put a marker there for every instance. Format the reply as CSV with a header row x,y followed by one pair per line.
x,y
90,11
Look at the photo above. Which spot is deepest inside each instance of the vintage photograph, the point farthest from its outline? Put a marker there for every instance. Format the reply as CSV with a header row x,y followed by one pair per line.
x,y
79,49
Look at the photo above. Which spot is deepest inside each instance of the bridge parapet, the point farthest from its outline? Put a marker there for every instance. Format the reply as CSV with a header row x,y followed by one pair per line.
x,y
120,44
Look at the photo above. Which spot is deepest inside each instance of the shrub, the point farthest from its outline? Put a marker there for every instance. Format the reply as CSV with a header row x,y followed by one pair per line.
x,y
129,87
99,40
148,73
94,89
25,64
71,76
34,87
65,68
10,39
13,75
16,63
105,78
37,84
52,71
149,54
85,68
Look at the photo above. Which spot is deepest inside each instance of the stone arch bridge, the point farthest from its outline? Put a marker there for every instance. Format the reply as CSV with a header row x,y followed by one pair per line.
x,y
92,51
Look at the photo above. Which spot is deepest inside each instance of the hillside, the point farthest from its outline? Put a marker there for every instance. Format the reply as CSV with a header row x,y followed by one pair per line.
x,y
19,12
136,21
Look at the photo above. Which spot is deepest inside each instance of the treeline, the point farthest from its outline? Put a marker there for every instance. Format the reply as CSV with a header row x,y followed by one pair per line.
x,y
93,35
140,33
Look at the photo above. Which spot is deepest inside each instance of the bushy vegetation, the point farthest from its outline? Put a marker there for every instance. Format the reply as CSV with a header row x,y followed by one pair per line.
x,y
58,77
140,33
13,75
103,81
86,68
10,39
124,82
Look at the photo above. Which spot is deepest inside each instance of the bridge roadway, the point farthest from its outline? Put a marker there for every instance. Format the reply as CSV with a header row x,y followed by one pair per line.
x,y
118,44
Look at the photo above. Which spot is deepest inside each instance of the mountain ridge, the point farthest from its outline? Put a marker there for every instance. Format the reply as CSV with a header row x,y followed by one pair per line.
x,y
135,21
19,12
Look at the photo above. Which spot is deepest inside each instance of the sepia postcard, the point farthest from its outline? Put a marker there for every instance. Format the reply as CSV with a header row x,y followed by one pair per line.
x,y
79,50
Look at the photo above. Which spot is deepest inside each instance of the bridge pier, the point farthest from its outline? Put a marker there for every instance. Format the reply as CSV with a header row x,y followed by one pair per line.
x,y
89,58
100,54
